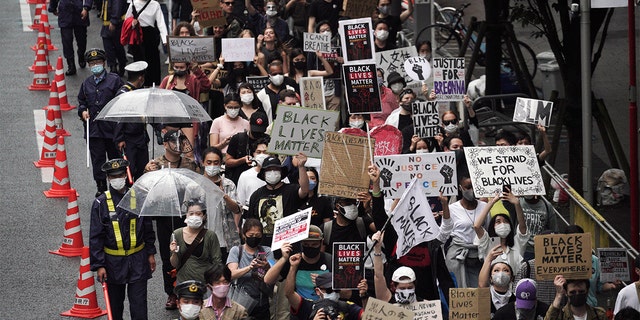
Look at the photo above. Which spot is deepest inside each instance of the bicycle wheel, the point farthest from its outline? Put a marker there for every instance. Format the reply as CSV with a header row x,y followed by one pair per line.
x,y
446,16
528,54
445,42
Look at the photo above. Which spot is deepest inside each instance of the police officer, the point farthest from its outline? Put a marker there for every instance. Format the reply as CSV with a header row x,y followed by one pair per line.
x,y
131,138
112,17
73,19
121,245
95,92
190,295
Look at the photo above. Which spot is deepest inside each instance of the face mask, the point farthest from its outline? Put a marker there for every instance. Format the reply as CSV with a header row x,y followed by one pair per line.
x,y
426,56
193,222
529,197
179,73
468,195
502,230
451,128
383,10
272,13
350,212
311,252
382,35
220,291
272,177
117,183
380,81
233,112
246,98
300,65
356,124
525,314
97,69
422,150
277,79
397,88
333,296
260,158
189,311
578,300
212,171
405,296
406,106
501,279
253,242
240,72
312,185
326,33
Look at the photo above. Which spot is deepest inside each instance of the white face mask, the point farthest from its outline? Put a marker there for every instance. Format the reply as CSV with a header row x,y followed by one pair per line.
x,y
212,171
422,150
277,79
502,230
260,158
350,212
246,98
405,296
356,124
233,112
189,311
272,177
326,33
397,88
118,183
501,279
193,222
451,128
382,35
333,296
272,13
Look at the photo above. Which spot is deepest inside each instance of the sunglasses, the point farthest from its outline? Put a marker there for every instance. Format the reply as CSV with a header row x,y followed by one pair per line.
x,y
448,122
228,3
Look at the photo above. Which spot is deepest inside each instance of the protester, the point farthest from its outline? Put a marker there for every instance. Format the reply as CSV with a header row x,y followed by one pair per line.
x,y
381,36
249,182
269,94
239,157
227,125
111,14
349,225
73,19
219,306
388,101
497,274
249,99
526,306
148,14
322,211
539,216
628,297
576,291
394,22
270,18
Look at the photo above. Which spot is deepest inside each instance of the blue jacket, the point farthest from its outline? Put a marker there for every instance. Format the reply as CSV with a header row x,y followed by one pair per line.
x,y
93,97
69,12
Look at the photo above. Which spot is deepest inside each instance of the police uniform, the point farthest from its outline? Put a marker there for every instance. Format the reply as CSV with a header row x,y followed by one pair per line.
x,y
191,289
121,242
113,14
94,94
71,23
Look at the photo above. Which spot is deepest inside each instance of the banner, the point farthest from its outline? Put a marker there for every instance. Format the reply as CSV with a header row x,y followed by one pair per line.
x,y
413,220
614,264
493,167
238,49
297,129
312,92
380,310
465,303
258,82
348,265
448,78
187,49
344,165
394,60
425,310
357,41
533,111
361,87
436,172
565,254
426,118
291,229
417,68
313,42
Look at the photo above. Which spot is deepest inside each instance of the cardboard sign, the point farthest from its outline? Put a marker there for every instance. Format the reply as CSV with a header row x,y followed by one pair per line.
x,y
238,49
565,254
361,87
388,140
491,168
614,264
345,159
466,303
211,16
312,92
425,310
301,130
426,118
313,42
533,111
291,229
199,4
394,60
417,68
348,265
359,8
187,49
380,310
448,78
357,41
258,82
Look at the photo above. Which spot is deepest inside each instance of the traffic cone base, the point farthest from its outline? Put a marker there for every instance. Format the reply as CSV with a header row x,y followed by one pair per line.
x,y
72,243
85,303
50,144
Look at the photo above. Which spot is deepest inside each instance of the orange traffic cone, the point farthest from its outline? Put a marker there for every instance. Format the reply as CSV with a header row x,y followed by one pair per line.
x,y
54,103
48,155
86,301
61,185
44,19
36,16
42,56
41,74
72,243
36,1
60,80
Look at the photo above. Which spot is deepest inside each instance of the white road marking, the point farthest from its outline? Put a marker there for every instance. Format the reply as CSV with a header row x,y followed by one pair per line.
x,y
39,120
25,13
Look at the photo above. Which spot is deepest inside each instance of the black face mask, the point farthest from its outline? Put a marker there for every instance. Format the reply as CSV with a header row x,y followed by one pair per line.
x,y
253,242
302,65
311,252
180,73
578,300
406,106
240,72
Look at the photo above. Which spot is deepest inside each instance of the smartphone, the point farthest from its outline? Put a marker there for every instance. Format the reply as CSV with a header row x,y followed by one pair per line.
x,y
262,256
493,242
506,188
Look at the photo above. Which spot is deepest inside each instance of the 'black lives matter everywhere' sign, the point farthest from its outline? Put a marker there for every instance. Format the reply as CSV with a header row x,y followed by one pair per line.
x,y
565,254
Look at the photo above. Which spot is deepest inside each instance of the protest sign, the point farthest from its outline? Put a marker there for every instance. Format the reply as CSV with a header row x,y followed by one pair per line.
x,y
425,310
211,16
361,87
258,82
448,78
380,310
199,4
565,254
313,42
388,140
312,92
301,130
493,167
357,41
413,220
435,173
291,229
345,159
614,264
359,8
533,111
238,49
348,265
393,60
469,303
417,68
426,119
187,49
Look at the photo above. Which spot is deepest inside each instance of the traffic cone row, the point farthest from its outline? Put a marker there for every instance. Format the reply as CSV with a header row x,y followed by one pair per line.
x,y
86,302
60,81
61,185
48,154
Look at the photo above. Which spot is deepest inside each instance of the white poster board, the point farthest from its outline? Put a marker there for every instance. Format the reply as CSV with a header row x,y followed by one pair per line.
x,y
291,228
614,264
426,118
417,68
533,111
238,49
394,60
312,92
187,49
313,42
448,78
426,309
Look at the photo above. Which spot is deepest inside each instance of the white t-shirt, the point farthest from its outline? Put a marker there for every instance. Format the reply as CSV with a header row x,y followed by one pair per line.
x,y
627,297
463,220
150,16
248,182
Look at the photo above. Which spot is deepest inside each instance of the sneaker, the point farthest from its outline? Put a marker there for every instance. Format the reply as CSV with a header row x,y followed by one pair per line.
x,y
172,302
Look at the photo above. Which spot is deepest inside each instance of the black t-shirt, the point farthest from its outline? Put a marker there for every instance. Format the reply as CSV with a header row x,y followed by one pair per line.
x,y
322,209
348,233
270,205
238,148
323,10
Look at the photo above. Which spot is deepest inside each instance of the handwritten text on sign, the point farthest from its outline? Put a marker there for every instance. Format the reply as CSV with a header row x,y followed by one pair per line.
x,y
187,49
312,92
448,78
493,167
317,42
565,254
301,130
380,310
238,49
345,159
533,111
393,60
426,309
426,119
291,228
469,303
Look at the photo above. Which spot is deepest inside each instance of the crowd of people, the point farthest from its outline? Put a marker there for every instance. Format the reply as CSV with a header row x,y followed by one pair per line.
x,y
216,261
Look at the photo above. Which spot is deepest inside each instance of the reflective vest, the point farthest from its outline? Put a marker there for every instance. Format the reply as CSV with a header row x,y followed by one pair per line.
x,y
120,251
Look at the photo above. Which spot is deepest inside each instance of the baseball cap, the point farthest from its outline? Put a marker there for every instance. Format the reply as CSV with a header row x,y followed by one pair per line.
x,y
526,294
401,274
315,233
324,280
258,122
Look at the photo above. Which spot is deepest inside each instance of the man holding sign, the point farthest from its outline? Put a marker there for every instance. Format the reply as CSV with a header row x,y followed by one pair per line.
x,y
576,291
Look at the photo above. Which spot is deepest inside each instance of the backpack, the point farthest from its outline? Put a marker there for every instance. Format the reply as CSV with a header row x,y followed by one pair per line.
x,y
326,230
